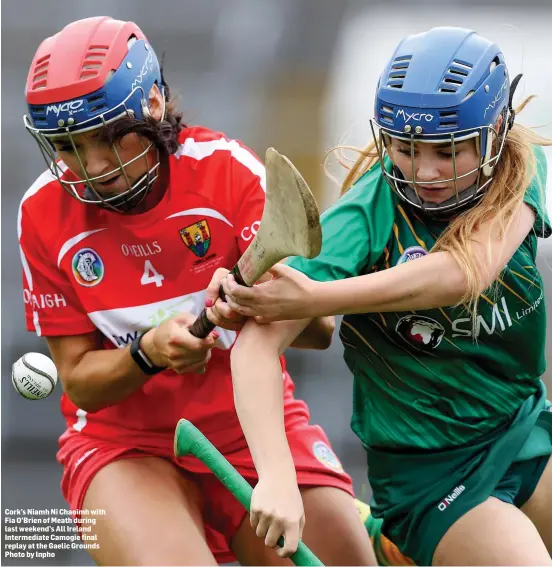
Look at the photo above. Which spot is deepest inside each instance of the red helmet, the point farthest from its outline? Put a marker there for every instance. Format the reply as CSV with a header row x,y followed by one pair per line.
x,y
77,60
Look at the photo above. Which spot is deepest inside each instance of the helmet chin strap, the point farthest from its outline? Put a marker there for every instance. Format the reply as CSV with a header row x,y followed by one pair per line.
x,y
121,204
513,88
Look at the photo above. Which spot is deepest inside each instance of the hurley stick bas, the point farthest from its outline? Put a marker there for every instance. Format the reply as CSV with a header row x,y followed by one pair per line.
x,y
290,226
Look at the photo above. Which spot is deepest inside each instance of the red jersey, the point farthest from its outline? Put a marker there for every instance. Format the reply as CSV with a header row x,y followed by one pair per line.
x,y
87,268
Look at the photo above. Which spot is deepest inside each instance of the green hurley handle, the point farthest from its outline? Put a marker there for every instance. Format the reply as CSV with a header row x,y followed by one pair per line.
x,y
188,440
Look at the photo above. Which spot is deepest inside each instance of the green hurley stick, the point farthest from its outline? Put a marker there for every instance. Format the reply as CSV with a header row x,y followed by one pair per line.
x,y
188,440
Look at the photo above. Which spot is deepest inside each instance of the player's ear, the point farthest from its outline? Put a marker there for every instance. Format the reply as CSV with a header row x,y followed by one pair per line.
x,y
156,103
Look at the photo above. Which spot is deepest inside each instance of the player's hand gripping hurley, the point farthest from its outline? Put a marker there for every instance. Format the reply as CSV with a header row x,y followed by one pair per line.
x,y
188,440
290,226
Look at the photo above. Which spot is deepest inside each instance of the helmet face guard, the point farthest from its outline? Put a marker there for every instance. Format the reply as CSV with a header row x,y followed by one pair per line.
x,y
92,73
408,189
444,87
79,184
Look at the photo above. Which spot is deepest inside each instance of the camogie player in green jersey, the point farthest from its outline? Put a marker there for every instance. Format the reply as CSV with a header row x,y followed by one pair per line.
x,y
430,256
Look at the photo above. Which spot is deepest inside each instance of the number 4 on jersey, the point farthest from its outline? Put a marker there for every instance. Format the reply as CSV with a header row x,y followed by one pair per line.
x,y
151,275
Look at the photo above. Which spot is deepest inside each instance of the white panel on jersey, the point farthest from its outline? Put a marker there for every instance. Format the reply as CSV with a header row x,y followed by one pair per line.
x,y
201,150
202,211
75,240
122,325
43,180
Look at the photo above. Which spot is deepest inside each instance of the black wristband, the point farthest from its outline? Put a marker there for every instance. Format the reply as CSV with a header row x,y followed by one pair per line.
x,y
141,359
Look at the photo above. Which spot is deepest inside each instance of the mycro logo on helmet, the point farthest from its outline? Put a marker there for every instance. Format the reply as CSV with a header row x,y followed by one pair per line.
x,y
72,107
416,116
146,67
497,97
450,498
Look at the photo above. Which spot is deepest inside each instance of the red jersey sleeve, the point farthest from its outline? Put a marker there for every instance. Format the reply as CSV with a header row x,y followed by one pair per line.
x,y
248,188
51,305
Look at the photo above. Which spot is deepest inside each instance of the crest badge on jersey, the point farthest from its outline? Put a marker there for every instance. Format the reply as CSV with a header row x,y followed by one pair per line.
x,y
197,237
326,456
420,331
88,267
411,253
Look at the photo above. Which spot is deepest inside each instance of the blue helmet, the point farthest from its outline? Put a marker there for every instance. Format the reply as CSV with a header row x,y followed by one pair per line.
x,y
446,85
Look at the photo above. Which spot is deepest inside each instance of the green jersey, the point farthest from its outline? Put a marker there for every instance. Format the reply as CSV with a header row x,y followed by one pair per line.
x,y
421,379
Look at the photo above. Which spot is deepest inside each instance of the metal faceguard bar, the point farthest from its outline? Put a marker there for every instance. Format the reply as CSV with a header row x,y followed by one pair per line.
x,y
45,137
485,165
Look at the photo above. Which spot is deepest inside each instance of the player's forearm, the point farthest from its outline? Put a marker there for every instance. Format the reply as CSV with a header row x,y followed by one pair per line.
x,y
436,280
103,378
258,395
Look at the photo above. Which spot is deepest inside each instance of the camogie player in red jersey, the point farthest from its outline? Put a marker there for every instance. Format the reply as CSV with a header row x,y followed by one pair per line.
x,y
119,241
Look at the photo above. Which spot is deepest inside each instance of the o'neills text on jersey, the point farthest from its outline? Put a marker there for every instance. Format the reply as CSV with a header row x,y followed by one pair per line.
x,y
450,498
140,250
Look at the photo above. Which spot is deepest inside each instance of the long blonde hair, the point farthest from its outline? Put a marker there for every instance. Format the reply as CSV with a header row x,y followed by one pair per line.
x,y
500,202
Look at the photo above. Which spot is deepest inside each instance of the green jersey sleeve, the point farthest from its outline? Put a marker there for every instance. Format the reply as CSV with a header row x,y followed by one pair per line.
x,y
535,196
355,231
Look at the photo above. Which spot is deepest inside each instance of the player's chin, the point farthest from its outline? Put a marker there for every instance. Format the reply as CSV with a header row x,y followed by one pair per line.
x,y
435,196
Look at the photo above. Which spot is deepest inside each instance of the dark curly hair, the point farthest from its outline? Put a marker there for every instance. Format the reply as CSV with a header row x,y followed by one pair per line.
x,y
163,133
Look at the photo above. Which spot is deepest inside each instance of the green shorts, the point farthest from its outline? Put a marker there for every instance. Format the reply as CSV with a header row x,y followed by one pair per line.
x,y
419,495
